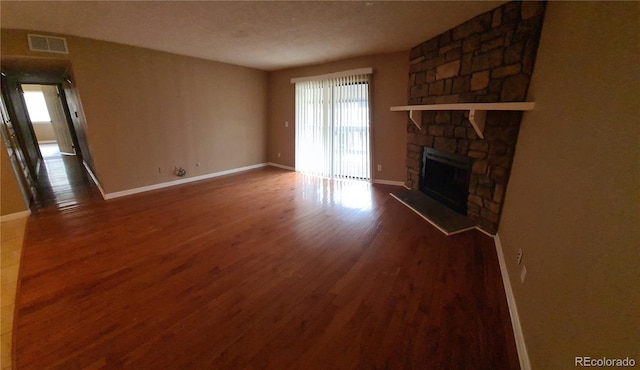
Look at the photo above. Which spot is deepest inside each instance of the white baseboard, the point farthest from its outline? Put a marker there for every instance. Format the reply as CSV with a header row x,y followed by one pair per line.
x,y
485,232
281,166
387,182
15,216
523,356
123,193
93,177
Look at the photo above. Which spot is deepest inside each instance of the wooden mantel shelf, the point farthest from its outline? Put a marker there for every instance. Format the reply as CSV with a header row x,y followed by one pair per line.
x,y
477,111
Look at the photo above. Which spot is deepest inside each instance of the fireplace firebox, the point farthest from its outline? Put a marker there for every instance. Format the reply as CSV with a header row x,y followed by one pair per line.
x,y
445,178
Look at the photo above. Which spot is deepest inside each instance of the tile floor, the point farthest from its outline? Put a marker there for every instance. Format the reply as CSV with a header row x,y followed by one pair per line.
x,y
11,236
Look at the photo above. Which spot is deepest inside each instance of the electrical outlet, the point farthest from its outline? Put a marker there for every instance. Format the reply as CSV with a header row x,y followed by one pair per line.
x,y
179,171
379,167
160,170
523,273
278,154
519,256
286,123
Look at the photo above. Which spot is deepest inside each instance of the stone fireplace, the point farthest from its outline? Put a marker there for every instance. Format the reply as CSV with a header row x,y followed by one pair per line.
x,y
489,58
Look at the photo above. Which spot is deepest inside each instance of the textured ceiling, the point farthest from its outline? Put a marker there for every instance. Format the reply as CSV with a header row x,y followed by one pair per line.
x,y
266,35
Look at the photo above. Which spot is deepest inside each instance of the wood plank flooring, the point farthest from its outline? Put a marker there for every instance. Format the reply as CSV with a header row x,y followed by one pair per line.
x,y
267,269
63,182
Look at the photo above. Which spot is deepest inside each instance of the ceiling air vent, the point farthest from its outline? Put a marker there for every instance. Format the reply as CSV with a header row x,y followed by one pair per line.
x,y
48,44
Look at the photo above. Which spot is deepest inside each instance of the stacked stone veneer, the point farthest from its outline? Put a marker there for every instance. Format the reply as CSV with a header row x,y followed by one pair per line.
x,y
489,58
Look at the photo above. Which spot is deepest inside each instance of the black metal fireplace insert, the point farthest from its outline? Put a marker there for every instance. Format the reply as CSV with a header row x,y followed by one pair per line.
x,y
445,177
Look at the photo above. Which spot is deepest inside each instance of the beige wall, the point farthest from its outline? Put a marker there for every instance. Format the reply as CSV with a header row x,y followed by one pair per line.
x,y
44,132
389,128
11,199
573,199
146,110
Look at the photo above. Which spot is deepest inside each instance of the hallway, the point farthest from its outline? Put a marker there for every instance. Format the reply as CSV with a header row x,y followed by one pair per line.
x,y
63,181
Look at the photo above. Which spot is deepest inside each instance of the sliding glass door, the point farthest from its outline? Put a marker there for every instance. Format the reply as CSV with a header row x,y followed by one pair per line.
x,y
351,157
332,127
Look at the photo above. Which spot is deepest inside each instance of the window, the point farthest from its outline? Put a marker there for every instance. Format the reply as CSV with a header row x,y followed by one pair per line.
x,y
36,106
332,127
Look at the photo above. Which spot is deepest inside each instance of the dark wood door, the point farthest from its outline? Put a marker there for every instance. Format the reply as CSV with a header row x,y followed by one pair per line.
x,y
16,156
22,127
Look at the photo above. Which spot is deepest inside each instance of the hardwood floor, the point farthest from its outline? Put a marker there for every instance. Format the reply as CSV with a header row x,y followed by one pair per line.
x,y
63,182
267,269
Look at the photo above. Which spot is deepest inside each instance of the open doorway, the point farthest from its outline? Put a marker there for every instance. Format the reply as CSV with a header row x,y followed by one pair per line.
x,y
39,110
62,180
46,113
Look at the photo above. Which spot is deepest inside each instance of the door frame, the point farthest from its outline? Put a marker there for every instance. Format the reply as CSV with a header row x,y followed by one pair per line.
x,y
15,80
58,118
25,134
58,81
26,183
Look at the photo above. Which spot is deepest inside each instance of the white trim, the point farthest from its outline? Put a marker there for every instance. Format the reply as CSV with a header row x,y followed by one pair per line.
x,y
46,141
93,177
485,232
15,216
388,182
281,166
123,193
477,111
351,72
523,356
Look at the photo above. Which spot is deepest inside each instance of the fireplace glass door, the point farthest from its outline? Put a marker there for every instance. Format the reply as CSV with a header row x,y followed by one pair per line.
x,y
445,177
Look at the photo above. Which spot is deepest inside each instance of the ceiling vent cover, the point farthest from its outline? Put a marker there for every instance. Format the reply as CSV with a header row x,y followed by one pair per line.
x,y
48,44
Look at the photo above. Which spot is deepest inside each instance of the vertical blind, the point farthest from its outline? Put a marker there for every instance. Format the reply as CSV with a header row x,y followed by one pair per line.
x,y
332,127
